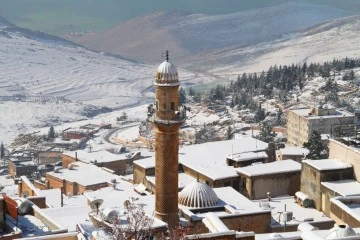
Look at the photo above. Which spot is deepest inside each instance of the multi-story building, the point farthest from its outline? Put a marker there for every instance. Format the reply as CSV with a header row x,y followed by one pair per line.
x,y
302,122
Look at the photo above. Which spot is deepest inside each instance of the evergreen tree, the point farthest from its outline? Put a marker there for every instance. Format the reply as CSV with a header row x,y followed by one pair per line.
x,y
191,92
229,133
259,115
51,133
316,147
2,151
279,118
182,96
266,134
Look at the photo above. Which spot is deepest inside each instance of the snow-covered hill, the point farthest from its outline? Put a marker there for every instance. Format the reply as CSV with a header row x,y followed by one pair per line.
x,y
334,39
187,34
44,80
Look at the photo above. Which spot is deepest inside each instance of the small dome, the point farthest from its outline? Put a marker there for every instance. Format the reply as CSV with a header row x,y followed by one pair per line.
x,y
198,195
340,231
166,74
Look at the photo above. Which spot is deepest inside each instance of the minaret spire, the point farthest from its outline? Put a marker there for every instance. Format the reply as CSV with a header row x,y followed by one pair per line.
x,y
167,55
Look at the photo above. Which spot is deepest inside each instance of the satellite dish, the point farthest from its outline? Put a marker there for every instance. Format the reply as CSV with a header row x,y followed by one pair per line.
x,y
111,215
95,204
70,167
69,194
25,207
24,194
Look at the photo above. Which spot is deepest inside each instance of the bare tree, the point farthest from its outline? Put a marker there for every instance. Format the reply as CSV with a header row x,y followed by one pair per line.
x,y
134,224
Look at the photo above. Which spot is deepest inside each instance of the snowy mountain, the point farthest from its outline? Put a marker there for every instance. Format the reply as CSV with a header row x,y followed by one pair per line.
x,y
187,34
334,39
47,80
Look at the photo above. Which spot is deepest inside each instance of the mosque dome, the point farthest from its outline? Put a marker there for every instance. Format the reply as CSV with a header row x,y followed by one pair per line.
x,y
198,195
166,74
340,231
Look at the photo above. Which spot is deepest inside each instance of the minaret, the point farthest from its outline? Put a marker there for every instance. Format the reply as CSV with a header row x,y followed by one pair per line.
x,y
167,119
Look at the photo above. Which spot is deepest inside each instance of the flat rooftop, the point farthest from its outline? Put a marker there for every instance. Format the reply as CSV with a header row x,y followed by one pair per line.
x,y
294,151
348,187
85,174
304,112
184,179
300,214
209,159
276,167
327,164
239,157
350,205
98,156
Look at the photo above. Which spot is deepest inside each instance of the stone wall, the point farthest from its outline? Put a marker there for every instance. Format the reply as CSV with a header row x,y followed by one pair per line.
x,y
338,150
311,179
341,216
277,184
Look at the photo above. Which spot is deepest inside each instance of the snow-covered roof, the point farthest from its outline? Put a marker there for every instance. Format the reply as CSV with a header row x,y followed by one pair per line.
x,y
68,217
300,214
248,156
84,174
350,205
284,166
146,163
183,180
99,156
348,187
304,112
327,164
294,151
198,195
209,159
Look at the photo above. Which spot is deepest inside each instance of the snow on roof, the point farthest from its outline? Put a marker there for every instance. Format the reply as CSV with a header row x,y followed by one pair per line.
x,y
84,174
68,217
294,151
209,159
300,214
305,113
184,180
348,187
327,164
99,156
351,205
248,156
52,197
31,225
146,163
284,166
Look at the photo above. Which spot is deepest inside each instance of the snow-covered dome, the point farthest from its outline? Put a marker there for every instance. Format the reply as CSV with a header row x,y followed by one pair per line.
x,y
166,74
340,231
198,195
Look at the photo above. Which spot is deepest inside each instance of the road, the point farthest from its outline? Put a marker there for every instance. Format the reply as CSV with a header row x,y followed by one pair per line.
x,y
113,130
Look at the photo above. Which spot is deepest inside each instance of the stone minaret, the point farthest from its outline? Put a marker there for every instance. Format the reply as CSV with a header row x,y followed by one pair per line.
x,y
167,118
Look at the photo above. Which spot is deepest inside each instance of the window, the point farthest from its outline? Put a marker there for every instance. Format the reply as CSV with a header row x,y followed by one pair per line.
x,y
157,105
172,106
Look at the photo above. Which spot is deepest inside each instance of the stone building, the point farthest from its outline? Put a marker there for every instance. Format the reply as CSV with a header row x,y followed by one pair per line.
x,y
115,162
277,178
302,122
314,172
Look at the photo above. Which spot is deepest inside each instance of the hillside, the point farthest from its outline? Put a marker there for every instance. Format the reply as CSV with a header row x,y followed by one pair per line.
x,y
334,39
187,34
46,80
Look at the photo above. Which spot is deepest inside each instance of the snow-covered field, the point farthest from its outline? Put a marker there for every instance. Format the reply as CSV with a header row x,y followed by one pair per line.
x,y
47,81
